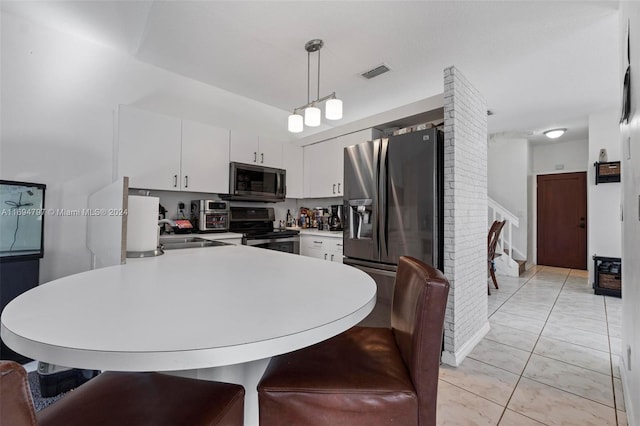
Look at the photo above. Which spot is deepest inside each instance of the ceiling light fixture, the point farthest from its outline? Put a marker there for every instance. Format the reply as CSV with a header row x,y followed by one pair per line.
x,y
554,133
312,114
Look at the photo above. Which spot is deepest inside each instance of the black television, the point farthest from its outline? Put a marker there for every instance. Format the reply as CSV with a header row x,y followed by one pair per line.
x,y
22,214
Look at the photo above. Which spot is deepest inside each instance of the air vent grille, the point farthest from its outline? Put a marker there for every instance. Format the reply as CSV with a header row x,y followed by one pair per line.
x,y
380,69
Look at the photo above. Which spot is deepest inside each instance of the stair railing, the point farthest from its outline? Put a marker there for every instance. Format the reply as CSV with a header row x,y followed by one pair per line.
x,y
499,212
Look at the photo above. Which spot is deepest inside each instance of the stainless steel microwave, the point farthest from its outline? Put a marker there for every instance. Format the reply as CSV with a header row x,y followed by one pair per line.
x,y
250,182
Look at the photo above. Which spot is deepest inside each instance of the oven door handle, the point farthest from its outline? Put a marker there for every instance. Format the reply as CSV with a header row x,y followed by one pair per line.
x,y
253,241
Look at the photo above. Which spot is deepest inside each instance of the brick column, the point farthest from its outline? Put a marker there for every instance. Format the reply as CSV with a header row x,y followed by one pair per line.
x,y
465,216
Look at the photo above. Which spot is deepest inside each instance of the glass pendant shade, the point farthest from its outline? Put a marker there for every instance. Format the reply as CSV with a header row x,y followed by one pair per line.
x,y
333,109
312,116
295,123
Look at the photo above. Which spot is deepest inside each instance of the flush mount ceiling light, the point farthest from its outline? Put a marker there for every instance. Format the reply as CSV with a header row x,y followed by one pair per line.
x,y
554,133
312,114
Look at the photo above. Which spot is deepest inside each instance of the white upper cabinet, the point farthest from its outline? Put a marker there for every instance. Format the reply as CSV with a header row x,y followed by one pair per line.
x,y
320,163
251,149
292,162
149,149
243,147
270,153
205,158
165,153
324,163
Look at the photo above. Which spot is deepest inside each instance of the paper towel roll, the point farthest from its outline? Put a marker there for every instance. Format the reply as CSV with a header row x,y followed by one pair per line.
x,y
142,223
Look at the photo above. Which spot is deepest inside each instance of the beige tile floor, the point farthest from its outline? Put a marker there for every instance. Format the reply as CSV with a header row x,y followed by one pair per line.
x,y
549,359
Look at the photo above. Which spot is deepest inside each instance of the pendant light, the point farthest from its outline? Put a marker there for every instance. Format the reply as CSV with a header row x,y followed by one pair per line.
x,y
313,114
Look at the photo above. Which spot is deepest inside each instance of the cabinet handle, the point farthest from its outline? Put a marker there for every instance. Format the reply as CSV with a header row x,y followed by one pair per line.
x,y
255,157
338,188
332,258
261,158
339,245
175,181
325,256
317,242
186,181
334,188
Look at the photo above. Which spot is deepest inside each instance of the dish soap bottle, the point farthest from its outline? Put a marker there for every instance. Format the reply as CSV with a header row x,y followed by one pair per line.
x,y
289,218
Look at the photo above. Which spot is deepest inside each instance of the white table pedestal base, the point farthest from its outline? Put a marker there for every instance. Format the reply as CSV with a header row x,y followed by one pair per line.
x,y
247,374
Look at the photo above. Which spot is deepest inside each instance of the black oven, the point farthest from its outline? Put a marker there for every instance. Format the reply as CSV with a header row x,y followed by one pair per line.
x,y
256,225
288,243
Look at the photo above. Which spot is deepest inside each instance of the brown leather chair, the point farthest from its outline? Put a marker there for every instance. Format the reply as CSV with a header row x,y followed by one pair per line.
x,y
492,244
367,376
118,399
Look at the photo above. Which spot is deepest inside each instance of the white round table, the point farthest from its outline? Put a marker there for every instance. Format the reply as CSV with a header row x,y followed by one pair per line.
x,y
190,309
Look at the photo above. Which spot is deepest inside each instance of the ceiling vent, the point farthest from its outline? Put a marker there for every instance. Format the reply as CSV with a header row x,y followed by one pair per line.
x,y
380,69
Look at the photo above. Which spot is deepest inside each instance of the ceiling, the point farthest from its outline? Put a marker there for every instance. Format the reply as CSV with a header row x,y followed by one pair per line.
x,y
538,64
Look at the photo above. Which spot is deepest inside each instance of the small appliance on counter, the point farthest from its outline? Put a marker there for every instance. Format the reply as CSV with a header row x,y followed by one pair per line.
x,y
336,218
210,215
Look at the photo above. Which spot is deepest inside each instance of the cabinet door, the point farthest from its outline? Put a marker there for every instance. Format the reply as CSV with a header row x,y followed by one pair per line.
x,y
292,159
320,170
205,158
243,147
149,149
336,251
313,246
270,153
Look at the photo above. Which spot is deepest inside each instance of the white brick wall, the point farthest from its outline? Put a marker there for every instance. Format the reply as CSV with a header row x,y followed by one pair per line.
x,y
465,214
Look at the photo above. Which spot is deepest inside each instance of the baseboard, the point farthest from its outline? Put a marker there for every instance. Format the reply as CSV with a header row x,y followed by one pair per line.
x,y
626,390
455,359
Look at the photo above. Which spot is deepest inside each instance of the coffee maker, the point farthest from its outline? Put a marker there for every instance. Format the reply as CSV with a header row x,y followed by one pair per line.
x,y
336,217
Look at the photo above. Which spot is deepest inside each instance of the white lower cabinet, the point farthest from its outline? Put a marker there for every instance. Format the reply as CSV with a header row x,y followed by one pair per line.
x,y
326,248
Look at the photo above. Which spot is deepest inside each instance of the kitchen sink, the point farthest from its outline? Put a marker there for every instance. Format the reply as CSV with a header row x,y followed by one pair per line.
x,y
188,242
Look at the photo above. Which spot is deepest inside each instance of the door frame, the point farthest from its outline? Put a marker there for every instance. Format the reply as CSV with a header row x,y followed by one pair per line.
x,y
533,211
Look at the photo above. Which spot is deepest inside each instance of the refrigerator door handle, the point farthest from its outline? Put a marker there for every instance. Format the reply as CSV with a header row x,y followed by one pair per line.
x,y
383,235
376,205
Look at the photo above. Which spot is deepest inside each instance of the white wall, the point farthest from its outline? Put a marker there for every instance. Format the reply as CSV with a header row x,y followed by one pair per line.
x,y
507,165
59,93
604,199
630,350
557,157
572,156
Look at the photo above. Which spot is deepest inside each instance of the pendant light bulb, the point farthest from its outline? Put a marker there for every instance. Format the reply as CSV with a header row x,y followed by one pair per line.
x,y
312,116
295,123
333,109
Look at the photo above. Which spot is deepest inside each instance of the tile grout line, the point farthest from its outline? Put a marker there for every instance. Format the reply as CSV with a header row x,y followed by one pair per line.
x,y
534,346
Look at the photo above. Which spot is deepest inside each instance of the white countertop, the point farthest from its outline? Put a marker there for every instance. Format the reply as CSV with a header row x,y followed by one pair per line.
x,y
238,304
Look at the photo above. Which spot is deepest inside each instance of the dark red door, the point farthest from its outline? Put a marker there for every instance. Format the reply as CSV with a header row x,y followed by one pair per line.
x,y
562,220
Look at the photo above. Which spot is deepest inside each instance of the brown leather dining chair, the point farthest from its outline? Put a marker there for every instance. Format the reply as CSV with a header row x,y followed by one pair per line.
x,y
367,376
118,399
492,244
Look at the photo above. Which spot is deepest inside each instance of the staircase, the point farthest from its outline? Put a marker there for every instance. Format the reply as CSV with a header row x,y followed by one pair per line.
x,y
507,263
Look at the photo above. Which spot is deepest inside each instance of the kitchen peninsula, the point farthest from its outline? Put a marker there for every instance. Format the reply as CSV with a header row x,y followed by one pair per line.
x,y
190,309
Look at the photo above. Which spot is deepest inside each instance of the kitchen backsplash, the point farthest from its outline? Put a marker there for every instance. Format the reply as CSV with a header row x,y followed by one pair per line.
x,y
170,200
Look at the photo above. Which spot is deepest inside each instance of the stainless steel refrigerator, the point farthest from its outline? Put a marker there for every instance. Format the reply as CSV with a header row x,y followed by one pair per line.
x,y
393,207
